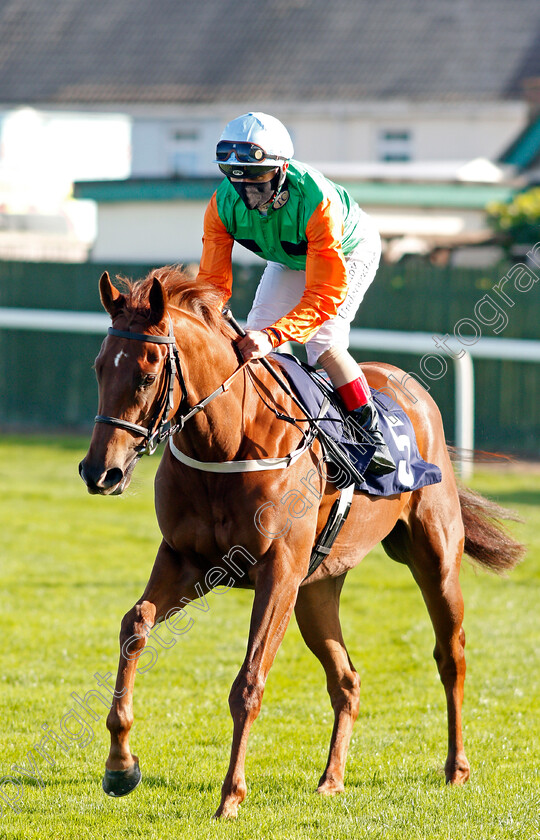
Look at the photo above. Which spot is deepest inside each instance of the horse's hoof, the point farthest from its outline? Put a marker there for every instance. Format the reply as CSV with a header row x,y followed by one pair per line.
x,y
457,772
227,812
121,782
459,777
330,788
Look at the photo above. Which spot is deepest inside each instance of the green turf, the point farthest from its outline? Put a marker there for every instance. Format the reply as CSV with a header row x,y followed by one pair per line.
x,y
72,564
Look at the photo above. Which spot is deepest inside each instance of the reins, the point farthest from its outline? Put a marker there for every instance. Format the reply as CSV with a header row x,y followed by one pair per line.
x,y
332,447
162,428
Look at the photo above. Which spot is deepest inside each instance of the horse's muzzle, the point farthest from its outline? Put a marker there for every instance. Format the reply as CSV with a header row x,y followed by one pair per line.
x,y
105,483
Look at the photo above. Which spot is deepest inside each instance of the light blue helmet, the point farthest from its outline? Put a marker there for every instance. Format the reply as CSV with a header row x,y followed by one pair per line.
x,y
264,132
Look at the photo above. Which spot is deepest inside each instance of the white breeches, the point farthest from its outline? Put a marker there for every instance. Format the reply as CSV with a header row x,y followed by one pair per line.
x,y
280,289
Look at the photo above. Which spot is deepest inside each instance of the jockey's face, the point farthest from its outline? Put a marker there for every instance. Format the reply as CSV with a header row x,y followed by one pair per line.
x,y
257,191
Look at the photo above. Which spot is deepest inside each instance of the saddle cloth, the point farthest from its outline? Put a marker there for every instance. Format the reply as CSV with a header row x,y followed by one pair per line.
x,y
411,473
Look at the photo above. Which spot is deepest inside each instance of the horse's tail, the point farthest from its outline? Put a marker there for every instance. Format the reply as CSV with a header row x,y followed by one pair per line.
x,y
486,539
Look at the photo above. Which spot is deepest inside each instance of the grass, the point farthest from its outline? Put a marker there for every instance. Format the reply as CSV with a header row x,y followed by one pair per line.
x,y
72,564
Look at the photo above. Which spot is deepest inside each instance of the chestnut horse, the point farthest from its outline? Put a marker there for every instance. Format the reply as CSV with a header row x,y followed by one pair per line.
x,y
169,320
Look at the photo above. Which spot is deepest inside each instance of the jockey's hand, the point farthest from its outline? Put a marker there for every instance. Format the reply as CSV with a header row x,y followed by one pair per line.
x,y
254,345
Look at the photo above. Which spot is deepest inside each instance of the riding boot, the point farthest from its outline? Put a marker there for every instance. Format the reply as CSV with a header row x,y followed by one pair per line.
x,y
352,386
382,461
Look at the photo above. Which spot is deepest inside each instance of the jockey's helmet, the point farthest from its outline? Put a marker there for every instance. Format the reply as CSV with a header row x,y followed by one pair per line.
x,y
253,140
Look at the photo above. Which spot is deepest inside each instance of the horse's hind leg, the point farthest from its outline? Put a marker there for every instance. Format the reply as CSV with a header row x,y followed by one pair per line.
x,y
445,605
317,613
171,580
432,546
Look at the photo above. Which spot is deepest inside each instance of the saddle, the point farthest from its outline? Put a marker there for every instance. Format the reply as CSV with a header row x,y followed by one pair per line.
x,y
322,403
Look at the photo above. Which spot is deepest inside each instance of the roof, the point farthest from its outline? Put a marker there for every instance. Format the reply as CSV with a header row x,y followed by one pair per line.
x,y
463,196
181,51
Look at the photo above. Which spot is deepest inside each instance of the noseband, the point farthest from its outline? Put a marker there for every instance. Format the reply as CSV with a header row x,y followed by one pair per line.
x,y
159,428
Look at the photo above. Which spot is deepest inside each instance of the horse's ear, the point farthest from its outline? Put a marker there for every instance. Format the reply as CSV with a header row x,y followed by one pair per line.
x,y
111,298
157,300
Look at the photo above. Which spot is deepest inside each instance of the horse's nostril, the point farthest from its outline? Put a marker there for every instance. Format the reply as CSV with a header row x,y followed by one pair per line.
x,y
96,480
112,478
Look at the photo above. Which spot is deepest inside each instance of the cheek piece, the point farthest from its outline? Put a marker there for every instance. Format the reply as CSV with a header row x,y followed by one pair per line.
x,y
256,195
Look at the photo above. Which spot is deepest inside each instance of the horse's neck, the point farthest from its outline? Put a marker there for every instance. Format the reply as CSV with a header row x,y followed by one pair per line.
x,y
208,359
238,420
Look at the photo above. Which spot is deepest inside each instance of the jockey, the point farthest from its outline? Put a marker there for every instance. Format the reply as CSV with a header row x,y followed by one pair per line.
x,y
322,253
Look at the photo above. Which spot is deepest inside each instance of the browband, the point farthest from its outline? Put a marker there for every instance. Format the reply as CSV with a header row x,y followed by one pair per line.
x,y
153,339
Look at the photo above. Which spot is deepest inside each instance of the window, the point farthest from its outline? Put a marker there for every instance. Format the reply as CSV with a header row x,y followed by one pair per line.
x,y
179,135
183,151
394,144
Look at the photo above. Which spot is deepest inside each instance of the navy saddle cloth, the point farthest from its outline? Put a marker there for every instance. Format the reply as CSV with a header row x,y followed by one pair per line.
x,y
411,472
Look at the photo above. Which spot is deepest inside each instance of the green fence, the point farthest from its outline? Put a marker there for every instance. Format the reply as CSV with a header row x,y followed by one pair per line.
x,y
47,382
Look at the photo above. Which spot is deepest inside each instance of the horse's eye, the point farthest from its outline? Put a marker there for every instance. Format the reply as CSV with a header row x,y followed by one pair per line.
x,y
145,380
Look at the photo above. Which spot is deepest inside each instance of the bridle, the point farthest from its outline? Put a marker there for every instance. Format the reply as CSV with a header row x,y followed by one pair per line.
x,y
159,424
160,427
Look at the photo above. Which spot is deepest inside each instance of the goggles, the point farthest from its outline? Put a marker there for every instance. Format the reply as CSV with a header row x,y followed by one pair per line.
x,y
245,152
238,170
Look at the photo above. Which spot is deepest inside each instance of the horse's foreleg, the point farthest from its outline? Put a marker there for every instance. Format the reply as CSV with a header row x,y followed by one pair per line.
x,y
275,593
317,613
171,580
441,590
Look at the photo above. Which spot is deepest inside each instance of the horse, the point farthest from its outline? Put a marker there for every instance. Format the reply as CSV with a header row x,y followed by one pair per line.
x,y
170,356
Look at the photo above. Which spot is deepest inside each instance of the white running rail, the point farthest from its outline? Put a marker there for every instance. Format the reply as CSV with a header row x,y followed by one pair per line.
x,y
420,343
415,343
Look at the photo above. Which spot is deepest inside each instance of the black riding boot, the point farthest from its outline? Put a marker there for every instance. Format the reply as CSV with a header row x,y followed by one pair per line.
x,y
382,461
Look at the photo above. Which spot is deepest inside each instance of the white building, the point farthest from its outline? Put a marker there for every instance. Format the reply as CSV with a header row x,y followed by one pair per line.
x,y
392,93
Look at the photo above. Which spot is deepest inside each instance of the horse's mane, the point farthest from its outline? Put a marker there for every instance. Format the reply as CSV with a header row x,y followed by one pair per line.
x,y
200,298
